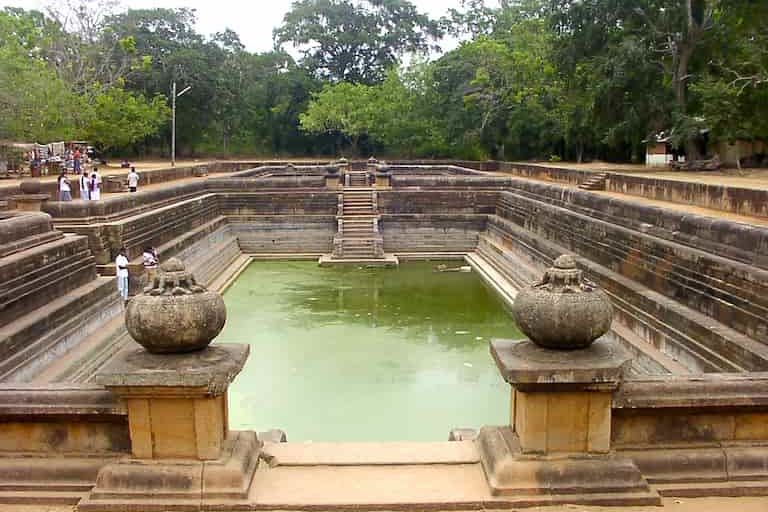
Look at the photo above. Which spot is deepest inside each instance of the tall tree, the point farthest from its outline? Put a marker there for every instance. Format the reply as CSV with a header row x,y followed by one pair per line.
x,y
355,41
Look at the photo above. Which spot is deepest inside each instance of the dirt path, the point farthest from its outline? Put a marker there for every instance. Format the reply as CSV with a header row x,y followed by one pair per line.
x,y
747,178
757,504
697,210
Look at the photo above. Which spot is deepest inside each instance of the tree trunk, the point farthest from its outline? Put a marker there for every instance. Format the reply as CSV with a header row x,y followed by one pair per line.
x,y
679,82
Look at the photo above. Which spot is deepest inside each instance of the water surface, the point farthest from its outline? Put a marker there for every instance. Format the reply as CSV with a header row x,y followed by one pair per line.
x,y
363,354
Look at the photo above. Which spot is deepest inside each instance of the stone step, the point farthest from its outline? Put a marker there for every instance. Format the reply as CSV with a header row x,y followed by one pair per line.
x,y
37,497
649,263
705,338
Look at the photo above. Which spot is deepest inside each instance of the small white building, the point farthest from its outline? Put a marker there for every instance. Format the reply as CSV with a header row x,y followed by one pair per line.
x,y
659,152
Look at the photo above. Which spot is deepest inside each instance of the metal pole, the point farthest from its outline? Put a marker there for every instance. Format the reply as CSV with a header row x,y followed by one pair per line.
x,y
173,125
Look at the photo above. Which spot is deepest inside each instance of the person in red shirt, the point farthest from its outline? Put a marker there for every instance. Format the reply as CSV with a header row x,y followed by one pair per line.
x,y
76,159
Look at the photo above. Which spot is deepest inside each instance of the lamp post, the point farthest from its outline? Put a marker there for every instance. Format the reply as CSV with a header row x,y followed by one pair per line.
x,y
173,119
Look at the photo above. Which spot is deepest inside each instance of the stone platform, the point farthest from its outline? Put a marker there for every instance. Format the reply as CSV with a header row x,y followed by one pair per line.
x,y
389,260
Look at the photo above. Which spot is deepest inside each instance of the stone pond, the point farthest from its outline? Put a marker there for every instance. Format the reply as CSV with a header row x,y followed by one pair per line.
x,y
370,354
672,401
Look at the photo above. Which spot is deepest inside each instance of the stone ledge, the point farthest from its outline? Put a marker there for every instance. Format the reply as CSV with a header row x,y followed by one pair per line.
x,y
169,485
512,473
709,390
389,260
213,368
531,368
372,454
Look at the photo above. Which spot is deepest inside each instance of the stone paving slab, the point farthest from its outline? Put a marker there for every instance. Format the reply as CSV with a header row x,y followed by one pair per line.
x,y
398,453
750,504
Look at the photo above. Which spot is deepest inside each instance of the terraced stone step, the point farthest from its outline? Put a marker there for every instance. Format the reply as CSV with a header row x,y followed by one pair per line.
x,y
38,332
716,346
658,264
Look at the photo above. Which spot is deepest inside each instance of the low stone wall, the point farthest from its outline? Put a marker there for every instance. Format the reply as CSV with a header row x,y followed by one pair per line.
x,y
546,173
38,275
431,233
209,253
434,220
740,200
153,217
54,441
22,231
427,170
728,291
742,242
243,184
711,428
451,182
148,177
539,232
269,234
432,201
116,207
62,419
733,199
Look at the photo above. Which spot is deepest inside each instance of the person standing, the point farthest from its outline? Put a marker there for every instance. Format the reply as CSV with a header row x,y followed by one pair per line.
x,y
65,190
76,160
133,180
150,263
85,192
121,269
95,187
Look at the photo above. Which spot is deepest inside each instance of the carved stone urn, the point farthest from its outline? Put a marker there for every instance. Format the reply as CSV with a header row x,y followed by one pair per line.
x,y
30,186
174,314
563,311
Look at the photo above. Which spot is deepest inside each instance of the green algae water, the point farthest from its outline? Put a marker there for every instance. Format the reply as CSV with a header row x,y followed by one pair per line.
x,y
365,354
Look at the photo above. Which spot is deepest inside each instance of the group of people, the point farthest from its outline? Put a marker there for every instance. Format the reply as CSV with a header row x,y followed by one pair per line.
x,y
90,186
150,261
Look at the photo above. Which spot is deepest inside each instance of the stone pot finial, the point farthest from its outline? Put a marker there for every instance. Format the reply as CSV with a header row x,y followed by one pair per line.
x,y
175,314
373,160
30,186
342,161
563,311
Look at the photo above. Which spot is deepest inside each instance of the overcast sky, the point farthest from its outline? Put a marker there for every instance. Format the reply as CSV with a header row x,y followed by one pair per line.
x,y
253,20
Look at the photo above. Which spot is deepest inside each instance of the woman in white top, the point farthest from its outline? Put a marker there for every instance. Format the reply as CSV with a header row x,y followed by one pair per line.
x,y
65,191
85,183
121,269
95,185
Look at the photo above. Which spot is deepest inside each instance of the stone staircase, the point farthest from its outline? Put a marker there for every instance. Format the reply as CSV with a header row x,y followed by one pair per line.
x,y
357,179
358,234
595,182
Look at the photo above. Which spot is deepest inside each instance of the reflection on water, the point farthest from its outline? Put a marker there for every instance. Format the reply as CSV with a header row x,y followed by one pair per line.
x,y
350,354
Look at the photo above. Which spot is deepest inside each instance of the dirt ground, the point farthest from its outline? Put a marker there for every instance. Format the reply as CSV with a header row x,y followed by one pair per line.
x,y
749,178
757,504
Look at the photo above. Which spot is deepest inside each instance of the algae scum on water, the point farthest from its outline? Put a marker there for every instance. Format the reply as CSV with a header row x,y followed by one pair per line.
x,y
365,354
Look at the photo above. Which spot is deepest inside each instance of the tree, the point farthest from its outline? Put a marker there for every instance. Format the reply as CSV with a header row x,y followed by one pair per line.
x,y
342,40
119,118
85,52
37,104
339,108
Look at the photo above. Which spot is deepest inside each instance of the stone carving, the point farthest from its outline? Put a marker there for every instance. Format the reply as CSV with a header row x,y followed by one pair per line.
x,y
175,314
30,187
563,311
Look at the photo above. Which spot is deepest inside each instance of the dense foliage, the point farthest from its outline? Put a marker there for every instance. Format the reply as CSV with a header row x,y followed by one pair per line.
x,y
566,79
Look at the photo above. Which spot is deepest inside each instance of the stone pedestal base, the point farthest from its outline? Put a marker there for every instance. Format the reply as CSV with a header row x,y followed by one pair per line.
x,y
387,260
582,479
178,484
29,202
